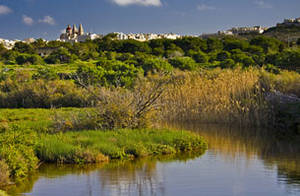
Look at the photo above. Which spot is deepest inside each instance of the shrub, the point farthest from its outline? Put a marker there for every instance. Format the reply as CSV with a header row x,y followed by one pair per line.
x,y
183,63
224,55
45,73
17,150
29,59
228,63
119,107
199,56
156,65
62,55
42,94
107,73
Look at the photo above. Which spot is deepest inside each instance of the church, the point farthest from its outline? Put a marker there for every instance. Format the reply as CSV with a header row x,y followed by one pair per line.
x,y
75,34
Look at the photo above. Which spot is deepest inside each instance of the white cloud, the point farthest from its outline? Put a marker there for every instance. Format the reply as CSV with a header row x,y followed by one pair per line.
x,y
4,10
263,4
47,20
204,7
138,2
27,20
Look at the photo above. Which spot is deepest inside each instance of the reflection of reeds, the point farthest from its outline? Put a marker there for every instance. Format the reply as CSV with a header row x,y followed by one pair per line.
x,y
218,96
123,177
232,143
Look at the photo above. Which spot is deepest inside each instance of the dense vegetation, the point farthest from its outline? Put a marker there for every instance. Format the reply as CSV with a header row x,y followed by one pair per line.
x,y
27,140
123,87
187,53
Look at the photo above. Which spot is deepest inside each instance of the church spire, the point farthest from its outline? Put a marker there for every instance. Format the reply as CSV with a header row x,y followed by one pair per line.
x,y
74,31
81,31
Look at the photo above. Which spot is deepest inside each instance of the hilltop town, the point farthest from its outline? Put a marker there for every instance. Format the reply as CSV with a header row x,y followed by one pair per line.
x,y
74,34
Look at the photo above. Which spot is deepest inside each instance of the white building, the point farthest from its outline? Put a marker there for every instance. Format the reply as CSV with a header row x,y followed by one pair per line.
x,y
73,35
246,30
8,44
289,22
146,36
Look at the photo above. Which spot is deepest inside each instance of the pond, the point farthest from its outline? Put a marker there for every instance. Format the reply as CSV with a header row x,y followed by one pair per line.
x,y
238,162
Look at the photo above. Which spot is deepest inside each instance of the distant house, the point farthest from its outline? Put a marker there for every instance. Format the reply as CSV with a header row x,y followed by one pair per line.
x,y
290,22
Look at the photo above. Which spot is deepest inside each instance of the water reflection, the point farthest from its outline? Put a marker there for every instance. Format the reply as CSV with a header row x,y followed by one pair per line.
x,y
231,143
238,162
138,177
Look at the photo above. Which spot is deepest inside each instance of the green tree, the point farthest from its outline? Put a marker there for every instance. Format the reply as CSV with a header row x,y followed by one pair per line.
x,y
244,59
231,44
257,50
268,44
133,46
22,47
191,43
222,56
62,55
156,65
10,56
29,59
108,72
288,58
157,46
39,43
214,44
183,63
198,56
228,63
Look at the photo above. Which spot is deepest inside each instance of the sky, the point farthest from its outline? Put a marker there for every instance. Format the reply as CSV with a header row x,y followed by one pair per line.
x,y
20,19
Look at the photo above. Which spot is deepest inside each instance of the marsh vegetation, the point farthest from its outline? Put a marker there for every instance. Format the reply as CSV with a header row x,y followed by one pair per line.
x,y
101,100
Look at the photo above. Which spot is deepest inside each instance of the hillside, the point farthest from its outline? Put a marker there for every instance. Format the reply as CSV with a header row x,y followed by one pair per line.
x,y
286,34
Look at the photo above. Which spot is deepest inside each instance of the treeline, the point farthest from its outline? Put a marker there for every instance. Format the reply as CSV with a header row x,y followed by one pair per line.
x,y
187,53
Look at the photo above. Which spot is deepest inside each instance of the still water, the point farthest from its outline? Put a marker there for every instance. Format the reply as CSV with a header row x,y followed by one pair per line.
x,y
238,162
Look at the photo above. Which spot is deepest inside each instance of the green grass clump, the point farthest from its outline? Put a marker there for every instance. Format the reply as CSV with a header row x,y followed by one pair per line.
x,y
121,144
38,120
17,151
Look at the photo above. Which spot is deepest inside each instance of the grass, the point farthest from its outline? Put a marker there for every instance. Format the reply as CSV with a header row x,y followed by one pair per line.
x,y
37,119
25,142
97,146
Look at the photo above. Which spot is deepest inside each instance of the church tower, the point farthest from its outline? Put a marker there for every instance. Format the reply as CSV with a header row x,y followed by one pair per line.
x,y
69,30
74,31
81,31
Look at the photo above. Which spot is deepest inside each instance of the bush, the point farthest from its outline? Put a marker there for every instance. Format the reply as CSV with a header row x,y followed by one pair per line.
x,y
199,56
17,150
42,94
108,73
271,68
29,59
224,55
228,63
156,65
46,74
268,44
119,107
62,55
183,63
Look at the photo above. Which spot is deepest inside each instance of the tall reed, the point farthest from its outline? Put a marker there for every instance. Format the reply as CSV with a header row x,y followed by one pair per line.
x,y
217,96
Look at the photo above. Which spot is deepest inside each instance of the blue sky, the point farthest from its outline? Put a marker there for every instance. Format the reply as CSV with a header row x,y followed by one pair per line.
x,y
21,19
